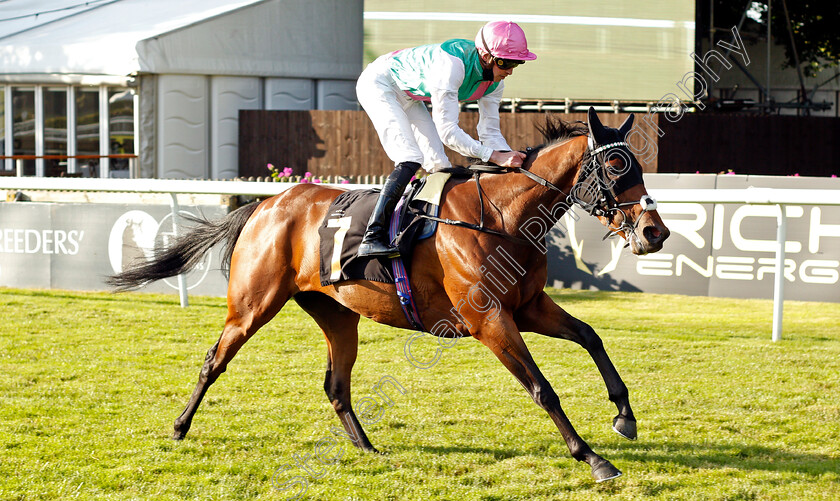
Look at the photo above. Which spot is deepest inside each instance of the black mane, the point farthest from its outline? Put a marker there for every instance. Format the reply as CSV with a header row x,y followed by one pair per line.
x,y
555,129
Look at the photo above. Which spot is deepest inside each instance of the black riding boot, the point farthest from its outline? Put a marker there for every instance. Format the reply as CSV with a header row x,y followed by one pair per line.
x,y
375,242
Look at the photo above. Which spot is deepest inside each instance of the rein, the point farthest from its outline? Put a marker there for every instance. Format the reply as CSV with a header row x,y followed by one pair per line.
x,y
605,205
477,171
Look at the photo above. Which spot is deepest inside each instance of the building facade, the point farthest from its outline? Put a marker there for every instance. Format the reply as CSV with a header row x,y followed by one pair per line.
x,y
153,88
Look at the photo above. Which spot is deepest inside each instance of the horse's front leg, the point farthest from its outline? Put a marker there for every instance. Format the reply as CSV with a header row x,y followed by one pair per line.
x,y
544,316
503,338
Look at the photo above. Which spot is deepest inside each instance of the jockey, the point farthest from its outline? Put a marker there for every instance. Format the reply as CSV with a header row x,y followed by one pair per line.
x,y
392,90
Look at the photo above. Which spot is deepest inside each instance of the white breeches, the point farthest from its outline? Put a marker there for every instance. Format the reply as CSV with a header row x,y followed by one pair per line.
x,y
404,125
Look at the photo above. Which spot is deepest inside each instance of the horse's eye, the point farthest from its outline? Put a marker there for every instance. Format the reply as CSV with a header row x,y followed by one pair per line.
x,y
615,166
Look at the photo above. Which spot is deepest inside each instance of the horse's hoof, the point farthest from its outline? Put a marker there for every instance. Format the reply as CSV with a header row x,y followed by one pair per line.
x,y
604,470
180,432
625,427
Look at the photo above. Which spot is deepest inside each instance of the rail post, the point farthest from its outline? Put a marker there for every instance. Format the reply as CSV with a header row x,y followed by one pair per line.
x,y
182,280
779,286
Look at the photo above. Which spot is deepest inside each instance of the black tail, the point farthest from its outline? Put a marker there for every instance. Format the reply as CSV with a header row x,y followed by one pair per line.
x,y
187,250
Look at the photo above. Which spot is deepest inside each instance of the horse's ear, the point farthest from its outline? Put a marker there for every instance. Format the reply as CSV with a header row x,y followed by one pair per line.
x,y
626,126
596,128
592,118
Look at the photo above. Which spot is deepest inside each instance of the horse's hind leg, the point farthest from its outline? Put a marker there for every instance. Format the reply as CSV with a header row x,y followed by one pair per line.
x,y
340,326
543,316
245,316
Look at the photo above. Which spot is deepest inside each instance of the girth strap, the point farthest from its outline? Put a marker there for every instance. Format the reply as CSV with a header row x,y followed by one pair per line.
x,y
401,276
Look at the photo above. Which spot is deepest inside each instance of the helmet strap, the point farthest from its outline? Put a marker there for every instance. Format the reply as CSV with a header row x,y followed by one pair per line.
x,y
485,43
487,73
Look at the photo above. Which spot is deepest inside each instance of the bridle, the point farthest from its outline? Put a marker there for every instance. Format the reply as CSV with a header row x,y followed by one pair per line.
x,y
606,203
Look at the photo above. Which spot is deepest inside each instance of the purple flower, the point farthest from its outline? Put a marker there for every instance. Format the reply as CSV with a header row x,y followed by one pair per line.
x,y
269,166
347,181
287,171
307,175
316,181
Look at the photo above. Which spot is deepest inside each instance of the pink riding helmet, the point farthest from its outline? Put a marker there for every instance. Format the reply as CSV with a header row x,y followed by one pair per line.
x,y
505,40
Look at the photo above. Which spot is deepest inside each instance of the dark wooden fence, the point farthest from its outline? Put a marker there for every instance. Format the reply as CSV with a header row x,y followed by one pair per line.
x,y
330,143
344,143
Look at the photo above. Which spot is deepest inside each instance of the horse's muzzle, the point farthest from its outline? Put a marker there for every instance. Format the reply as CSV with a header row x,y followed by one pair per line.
x,y
649,237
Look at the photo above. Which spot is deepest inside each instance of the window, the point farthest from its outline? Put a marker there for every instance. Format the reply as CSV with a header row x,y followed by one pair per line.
x,y
4,163
23,126
55,131
121,129
55,122
87,130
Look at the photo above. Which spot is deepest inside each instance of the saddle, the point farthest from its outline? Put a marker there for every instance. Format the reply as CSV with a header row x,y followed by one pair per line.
x,y
346,220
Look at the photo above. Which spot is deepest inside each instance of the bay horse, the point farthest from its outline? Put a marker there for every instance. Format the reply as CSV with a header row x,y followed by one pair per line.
x,y
273,255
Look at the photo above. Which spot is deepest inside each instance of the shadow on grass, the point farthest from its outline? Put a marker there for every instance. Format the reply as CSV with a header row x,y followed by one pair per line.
x,y
497,452
736,456
687,454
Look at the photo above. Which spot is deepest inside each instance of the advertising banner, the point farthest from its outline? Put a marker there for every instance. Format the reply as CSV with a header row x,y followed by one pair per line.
x,y
723,250
76,246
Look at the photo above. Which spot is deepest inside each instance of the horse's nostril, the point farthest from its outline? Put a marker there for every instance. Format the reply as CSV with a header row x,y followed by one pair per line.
x,y
652,234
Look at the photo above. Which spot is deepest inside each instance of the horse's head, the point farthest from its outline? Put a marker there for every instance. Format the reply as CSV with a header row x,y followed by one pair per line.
x,y
610,186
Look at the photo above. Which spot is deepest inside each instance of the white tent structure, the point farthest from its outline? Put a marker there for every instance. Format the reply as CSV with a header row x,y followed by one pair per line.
x,y
163,79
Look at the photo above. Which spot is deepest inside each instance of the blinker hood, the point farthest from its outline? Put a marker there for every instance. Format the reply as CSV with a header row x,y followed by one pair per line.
x,y
620,179
623,179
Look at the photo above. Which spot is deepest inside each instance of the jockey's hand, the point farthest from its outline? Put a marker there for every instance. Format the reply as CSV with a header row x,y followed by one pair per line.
x,y
507,158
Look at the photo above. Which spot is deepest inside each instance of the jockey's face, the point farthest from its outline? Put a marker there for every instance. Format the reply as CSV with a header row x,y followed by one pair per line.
x,y
499,74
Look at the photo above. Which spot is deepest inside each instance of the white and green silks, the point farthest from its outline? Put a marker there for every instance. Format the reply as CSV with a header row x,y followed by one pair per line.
x,y
391,88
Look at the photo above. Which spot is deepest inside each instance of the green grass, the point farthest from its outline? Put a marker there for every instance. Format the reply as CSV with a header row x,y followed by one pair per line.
x,y
90,385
